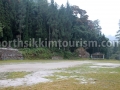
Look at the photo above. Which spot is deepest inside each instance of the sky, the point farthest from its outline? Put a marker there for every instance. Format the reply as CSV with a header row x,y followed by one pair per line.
x,y
107,11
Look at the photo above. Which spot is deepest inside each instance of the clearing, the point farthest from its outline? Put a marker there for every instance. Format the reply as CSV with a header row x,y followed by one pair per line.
x,y
26,74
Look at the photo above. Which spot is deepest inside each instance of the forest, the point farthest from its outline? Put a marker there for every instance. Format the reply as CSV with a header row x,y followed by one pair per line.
x,y
40,19
47,46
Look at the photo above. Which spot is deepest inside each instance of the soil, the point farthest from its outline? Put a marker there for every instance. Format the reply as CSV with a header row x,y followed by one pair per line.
x,y
41,70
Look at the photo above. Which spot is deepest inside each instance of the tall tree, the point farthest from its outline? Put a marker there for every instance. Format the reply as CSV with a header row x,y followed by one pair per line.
x,y
21,14
1,30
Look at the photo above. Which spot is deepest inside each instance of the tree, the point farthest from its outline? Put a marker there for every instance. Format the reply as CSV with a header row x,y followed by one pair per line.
x,y
1,11
25,19
21,14
7,32
118,35
53,21
1,29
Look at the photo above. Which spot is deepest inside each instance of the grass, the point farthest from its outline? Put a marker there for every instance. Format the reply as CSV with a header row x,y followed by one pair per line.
x,y
70,84
13,75
80,77
107,61
49,61
2,62
87,78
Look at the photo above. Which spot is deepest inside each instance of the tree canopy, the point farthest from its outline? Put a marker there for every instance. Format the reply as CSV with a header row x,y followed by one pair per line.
x,y
41,19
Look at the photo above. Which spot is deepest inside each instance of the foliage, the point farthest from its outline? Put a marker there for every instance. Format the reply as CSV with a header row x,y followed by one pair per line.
x,y
1,30
45,53
27,19
116,56
34,53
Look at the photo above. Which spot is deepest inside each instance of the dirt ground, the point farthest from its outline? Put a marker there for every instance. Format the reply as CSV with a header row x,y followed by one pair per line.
x,y
41,70
39,66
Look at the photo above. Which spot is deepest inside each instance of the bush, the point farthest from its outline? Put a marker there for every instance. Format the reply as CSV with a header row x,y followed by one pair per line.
x,y
63,53
46,53
116,56
67,54
34,53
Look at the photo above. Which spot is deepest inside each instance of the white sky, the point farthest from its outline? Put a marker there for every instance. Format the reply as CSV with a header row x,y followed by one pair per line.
x,y
107,11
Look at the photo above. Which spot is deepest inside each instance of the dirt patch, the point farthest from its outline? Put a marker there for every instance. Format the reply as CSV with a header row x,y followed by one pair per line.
x,y
40,71
105,65
39,66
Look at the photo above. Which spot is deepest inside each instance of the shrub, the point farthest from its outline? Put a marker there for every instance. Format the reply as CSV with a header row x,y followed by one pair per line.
x,y
33,53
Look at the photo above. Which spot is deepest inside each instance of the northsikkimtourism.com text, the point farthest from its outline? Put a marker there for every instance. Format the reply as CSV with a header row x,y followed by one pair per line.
x,y
59,43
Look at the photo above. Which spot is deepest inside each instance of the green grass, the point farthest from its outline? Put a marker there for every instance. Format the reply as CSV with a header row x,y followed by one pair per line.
x,y
13,75
82,70
96,78
2,62
107,61
48,61
70,84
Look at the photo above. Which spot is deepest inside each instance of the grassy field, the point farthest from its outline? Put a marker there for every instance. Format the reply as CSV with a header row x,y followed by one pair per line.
x,y
13,75
81,77
2,62
47,61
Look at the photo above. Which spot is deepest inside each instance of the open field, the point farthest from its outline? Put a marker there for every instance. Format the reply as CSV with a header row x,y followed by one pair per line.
x,y
60,75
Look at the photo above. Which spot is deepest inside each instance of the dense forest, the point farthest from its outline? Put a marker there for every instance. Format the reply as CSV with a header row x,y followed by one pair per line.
x,y
26,19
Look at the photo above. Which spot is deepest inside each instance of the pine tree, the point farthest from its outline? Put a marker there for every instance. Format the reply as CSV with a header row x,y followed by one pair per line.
x,y
1,30
21,14
7,32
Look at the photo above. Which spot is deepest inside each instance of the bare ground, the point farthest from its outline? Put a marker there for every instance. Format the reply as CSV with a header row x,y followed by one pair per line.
x,y
41,70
